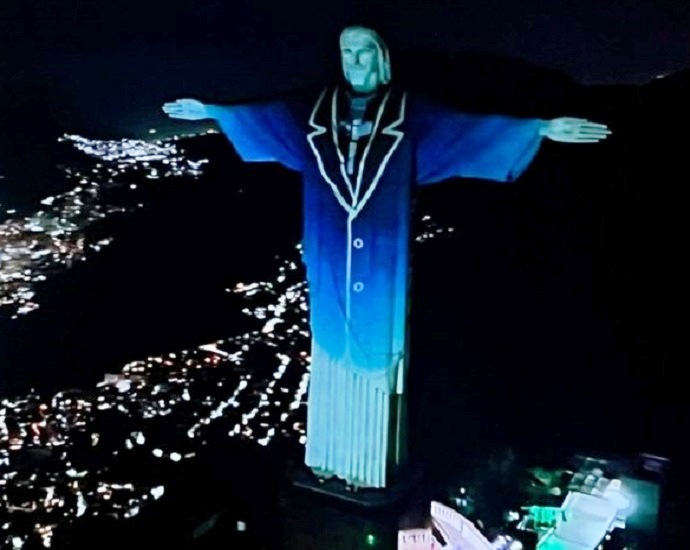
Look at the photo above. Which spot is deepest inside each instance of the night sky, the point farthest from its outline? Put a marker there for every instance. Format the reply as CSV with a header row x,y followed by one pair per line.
x,y
105,66
611,41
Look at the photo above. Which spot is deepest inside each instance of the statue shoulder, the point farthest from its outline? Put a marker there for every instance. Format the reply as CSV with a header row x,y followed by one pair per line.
x,y
420,104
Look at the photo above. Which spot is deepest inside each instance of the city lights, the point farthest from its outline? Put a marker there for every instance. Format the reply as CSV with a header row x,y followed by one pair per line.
x,y
252,386
36,245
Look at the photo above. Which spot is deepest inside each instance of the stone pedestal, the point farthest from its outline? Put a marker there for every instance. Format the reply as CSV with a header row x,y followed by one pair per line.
x,y
329,515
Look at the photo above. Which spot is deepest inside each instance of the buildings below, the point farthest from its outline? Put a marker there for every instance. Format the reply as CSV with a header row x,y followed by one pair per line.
x,y
597,504
593,504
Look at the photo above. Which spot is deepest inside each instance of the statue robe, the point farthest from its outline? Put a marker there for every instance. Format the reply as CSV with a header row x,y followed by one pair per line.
x,y
356,248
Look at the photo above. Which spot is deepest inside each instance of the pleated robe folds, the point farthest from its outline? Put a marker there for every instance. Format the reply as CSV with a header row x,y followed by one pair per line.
x,y
356,247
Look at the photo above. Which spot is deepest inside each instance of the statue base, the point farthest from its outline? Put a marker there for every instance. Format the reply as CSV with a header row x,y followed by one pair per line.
x,y
320,515
403,485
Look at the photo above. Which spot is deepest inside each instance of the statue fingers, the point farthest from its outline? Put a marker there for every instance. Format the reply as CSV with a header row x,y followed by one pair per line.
x,y
571,120
594,133
589,123
574,139
180,103
172,107
598,128
581,124
577,137
587,140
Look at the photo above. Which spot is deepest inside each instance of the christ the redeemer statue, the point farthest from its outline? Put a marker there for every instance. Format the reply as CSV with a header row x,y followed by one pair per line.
x,y
362,148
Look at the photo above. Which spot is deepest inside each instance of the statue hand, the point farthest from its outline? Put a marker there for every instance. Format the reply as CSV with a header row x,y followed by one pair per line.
x,y
574,130
186,109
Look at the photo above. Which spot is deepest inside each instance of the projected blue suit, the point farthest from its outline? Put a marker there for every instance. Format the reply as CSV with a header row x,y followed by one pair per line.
x,y
356,247
362,149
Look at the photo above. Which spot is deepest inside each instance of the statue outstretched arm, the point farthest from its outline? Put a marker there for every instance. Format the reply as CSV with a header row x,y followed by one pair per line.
x,y
262,131
453,144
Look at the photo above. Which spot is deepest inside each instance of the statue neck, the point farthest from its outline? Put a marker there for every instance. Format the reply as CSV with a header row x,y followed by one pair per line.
x,y
366,96
359,104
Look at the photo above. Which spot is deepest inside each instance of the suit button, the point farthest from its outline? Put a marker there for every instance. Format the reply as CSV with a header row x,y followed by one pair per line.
x,y
358,243
358,286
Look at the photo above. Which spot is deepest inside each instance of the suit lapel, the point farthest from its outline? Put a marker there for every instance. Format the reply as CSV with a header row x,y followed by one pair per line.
x,y
352,193
321,143
386,138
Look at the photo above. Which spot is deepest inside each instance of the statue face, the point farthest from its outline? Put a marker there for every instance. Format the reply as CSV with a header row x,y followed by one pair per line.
x,y
361,56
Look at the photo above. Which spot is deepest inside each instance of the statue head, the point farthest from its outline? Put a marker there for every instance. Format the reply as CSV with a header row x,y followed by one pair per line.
x,y
365,59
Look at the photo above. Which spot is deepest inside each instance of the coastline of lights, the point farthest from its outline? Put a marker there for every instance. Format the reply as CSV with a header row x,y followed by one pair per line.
x,y
54,237
192,388
252,386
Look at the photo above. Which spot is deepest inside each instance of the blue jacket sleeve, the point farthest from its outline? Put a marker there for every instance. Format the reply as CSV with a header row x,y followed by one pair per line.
x,y
493,147
262,131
